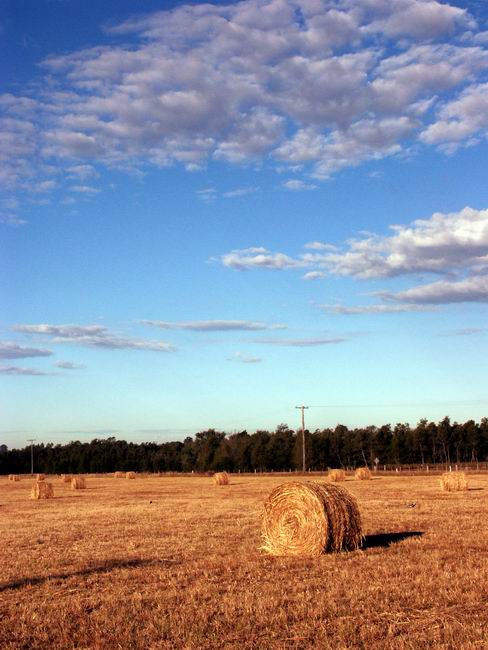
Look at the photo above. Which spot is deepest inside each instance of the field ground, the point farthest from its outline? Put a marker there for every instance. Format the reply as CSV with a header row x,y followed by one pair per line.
x,y
174,562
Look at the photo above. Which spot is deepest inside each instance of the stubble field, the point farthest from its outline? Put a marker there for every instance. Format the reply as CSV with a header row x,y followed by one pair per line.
x,y
174,562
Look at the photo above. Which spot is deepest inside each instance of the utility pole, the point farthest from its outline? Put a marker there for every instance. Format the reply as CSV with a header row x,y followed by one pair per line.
x,y
32,440
302,409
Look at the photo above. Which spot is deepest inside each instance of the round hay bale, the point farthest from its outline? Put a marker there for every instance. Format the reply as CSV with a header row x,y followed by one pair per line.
x,y
119,474
13,477
78,483
66,478
41,477
336,475
131,475
454,482
308,519
221,478
363,474
42,490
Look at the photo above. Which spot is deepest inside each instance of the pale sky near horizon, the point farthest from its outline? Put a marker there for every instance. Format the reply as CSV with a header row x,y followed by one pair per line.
x,y
211,213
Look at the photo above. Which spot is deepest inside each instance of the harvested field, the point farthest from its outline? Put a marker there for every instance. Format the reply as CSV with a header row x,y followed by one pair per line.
x,y
168,563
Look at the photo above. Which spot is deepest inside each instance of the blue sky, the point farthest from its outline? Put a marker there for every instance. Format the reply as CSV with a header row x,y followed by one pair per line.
x,y
211,213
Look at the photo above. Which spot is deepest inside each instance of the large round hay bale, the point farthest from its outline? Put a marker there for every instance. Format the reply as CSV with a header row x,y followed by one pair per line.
x,y
42,490
336,475
308,519
454,482
78,483
363,474
221,478
131,475
119,474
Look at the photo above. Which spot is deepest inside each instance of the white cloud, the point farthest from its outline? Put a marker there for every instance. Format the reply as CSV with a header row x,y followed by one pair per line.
x,y
244,358
240,191
297,185
473,289
258,258
11,350
324,85
95,336
301,343
314,275
84,189
16,370
69,365
213,325
373,309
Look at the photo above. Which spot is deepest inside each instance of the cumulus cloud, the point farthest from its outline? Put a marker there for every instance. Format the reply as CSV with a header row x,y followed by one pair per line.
x,y
320,85
473,289
11,350
95,336
213,325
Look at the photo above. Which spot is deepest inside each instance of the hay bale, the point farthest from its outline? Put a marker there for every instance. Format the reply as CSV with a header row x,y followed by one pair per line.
x,y
78,483
454,482
119,474
307,519
66,478
363,474
130,475
336,475
221,478
13,477
42,490
41,477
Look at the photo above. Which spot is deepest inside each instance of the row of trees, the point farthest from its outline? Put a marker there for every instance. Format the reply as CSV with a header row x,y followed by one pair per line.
x,y
428,442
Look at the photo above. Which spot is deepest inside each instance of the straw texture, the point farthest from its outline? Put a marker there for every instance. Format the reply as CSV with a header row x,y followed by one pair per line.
x,y
42,490
221,478
78,483
363,474
454,482
308,519
336,475
130,475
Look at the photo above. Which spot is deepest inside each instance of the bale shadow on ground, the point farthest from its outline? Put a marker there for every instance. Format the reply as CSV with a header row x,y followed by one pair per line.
x,y
384,540
100,567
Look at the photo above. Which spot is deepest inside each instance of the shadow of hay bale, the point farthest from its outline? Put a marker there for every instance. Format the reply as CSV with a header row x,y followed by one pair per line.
x,y
384,540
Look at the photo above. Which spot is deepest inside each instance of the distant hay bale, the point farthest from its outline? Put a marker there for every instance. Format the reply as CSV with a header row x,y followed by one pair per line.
x,y
130,475
78,483
66,478
119,474
41,477
13,477
336,475
307,519
454,482
221,478
363,474
42,490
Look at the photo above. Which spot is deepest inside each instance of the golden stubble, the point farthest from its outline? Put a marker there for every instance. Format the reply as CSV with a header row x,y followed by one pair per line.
x,y
174,562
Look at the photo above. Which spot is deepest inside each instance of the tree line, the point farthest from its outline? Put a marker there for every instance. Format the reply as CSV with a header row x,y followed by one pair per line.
x,y
279,450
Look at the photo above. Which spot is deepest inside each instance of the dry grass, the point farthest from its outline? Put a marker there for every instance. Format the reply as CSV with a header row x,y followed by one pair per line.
x,y
363,474
78,483
221,478
167,563
119,474
454,482
131,475
336,475
307,519
42,490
